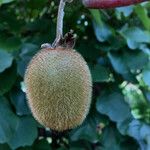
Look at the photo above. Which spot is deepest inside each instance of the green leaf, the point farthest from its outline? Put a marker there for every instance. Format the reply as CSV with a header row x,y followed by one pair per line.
x,y
8,121
96,16
146,77
109,139
139,131
118,63
75,148
4,147
134,129
36,4
142,13
19,101
135,36
5,60
26,133
80,145
145,132
22,66
130,78
10,43
100,74
141,58
114,106
127,11
42,145
27,52
7,79
8,20
86,49
90,125
5,1
123,125
82,134
124,63
25,148
102,30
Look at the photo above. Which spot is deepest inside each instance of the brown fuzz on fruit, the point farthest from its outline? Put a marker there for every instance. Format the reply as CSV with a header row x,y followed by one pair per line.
x,y
59,88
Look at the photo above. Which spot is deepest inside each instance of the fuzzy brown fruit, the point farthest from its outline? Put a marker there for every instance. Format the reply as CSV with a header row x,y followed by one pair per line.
x,y
59,88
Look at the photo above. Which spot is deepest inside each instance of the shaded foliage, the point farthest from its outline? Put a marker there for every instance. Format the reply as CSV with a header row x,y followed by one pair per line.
x,y
116,45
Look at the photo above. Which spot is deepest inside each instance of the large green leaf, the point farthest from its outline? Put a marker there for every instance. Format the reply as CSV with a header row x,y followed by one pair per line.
x,y
8,121
141,58
27,52
19,101
79,145
102,30
4,147
134,130
42,145
88,50
118,63
7,79
26,133
142,13
146,77
5,1
89,126
135,36
97,16
36,4
126,11
82,133
100,74
10,43
114,106
124,63
5,60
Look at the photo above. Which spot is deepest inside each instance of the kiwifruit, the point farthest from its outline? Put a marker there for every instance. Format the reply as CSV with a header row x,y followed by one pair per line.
x,y
59,88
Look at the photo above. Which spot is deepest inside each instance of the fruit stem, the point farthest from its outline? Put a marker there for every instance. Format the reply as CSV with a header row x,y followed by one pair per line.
x,y
59,28
57,138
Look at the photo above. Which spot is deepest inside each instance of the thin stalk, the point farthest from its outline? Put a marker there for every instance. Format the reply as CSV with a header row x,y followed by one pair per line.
x,y
59,27
60,17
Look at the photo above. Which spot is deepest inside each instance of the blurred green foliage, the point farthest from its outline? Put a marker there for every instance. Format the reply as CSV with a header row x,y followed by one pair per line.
x,y
116,45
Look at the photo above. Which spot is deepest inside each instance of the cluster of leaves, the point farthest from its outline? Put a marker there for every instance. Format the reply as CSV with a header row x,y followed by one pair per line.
x,y
115,44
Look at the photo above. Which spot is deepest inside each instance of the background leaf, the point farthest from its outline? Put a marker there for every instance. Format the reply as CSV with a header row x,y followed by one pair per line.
x,y
7,79
100,74
5,1
8,121
114,106
5,60
28,133
115,45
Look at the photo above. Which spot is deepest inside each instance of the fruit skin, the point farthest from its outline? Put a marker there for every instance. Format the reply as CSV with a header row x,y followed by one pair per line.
x,y
59,88
104,4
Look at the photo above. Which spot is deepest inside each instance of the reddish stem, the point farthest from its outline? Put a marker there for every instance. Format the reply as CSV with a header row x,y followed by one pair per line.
x,y
104,4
